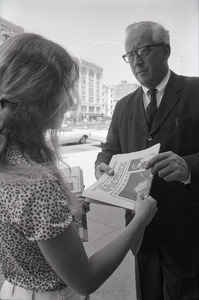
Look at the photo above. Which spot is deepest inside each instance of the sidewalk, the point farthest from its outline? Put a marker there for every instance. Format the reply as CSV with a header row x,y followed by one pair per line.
x,y
104,224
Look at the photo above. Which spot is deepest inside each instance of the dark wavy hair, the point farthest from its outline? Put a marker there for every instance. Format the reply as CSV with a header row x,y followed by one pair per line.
x,y
37,82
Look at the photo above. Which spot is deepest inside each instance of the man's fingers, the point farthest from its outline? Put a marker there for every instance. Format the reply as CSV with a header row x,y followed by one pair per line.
x,y
157,158
162,168
140,196
103,168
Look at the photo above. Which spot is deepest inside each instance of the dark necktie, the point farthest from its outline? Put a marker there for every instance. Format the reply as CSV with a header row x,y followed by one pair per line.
x,y
151,109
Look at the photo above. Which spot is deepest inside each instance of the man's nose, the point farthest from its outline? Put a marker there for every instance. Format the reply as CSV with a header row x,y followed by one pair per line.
x,y
137,60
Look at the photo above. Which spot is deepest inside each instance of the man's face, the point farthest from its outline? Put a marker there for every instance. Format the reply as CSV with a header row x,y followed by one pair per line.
x,y
151,69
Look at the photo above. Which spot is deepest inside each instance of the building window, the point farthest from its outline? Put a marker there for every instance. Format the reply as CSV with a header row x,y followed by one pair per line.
x,y
91,82
83,70
83,89
98,110
83,108
97,93
91,109
98,76
91,92
83,98
91,99
83,80
91,73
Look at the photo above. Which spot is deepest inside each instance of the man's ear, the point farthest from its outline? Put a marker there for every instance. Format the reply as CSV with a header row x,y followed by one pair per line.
x,y
167,51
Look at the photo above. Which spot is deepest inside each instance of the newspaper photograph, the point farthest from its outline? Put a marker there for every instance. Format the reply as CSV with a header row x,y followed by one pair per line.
x,y
130,177
74,179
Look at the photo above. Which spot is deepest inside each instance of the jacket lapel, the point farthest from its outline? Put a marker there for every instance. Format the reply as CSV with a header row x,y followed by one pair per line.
x,y
170,98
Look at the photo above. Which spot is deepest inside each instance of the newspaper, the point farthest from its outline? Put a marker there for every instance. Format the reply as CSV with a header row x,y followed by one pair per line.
x,y
130,177
75,182
74,179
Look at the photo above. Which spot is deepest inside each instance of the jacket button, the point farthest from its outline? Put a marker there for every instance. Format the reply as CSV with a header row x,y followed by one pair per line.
x,y
149,139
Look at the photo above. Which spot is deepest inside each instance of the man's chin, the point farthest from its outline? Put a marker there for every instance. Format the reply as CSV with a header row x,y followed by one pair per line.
x,y
143,81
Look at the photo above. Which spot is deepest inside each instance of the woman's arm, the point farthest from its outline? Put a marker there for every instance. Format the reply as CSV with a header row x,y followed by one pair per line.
x,y
67,256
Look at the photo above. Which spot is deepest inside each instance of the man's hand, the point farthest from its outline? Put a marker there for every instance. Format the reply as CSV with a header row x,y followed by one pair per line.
x,y
169,166
103,168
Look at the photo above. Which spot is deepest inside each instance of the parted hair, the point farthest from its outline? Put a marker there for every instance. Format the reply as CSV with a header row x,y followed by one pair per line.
x,y
37,80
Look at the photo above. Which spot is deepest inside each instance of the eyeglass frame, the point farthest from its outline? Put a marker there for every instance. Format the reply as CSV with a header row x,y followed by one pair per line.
x,y
136,52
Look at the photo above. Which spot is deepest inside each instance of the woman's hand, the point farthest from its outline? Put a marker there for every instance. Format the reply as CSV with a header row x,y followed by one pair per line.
x,y
80,206
145,208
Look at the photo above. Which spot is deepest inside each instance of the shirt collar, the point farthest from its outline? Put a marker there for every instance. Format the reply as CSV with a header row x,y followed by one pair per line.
x,y
162,85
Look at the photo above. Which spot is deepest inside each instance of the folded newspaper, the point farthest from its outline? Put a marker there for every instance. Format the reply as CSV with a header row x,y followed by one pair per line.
x,y
75,182
130,177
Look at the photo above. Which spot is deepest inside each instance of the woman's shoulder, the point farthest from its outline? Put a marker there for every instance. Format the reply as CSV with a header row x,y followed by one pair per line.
x,y
41,207
13,155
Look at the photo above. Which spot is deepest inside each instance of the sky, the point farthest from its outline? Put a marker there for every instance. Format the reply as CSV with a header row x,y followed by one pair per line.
x,y
95,29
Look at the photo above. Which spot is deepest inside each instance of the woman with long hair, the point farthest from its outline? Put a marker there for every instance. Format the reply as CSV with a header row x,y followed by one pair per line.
x,y
41,253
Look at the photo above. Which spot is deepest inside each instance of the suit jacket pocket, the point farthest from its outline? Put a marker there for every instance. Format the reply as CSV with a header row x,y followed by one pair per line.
x,y
183,120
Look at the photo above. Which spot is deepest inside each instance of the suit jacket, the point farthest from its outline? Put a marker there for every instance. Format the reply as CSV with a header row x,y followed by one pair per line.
x,y
176,128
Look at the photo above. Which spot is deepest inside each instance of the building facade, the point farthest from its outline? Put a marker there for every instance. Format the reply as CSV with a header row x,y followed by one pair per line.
x,y
90,91
8,29
88,105
114,93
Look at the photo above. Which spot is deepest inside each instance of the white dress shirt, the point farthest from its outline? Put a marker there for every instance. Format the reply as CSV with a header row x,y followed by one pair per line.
x,y
160,88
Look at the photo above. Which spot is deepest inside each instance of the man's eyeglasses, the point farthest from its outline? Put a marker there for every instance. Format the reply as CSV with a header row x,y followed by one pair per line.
x,y
142,52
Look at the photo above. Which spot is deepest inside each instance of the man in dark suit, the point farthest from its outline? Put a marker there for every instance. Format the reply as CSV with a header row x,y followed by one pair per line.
x,y
168,260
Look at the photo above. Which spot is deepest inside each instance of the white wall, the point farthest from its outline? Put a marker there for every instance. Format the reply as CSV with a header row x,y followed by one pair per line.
x,y
184,38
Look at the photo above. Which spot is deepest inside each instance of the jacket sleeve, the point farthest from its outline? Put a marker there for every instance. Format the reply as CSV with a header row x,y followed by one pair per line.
x,y
193,163
112,144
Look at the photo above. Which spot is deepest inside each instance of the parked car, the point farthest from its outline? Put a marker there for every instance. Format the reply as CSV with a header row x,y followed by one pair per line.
x,y
68,135
99,135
